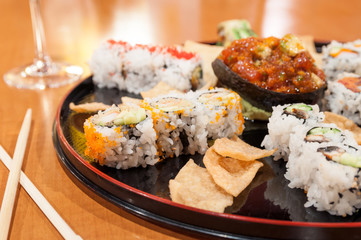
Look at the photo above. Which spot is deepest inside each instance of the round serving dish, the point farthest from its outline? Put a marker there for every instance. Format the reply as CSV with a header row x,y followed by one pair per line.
x,y
266,209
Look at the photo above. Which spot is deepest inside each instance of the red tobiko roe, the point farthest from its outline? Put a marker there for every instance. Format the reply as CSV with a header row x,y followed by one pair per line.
x,y
180,54
171,50
111,41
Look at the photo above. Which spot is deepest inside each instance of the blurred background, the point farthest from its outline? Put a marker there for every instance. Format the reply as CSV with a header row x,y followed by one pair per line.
x,y
74,28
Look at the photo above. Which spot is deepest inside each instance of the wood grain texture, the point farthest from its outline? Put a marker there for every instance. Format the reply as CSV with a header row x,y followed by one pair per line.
x,y
73,29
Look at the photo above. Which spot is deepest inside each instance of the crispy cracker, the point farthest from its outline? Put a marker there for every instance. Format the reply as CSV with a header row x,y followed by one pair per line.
x,y
161,88
193,186
238,149
345,124
130,100
175,191
264,173
208,54
88,107
231,174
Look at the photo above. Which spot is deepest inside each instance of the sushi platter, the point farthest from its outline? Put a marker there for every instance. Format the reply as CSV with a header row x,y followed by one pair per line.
x,y
268,203
257,138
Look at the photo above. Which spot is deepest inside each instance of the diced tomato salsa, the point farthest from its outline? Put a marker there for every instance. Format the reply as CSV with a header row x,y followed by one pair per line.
x,y
272,64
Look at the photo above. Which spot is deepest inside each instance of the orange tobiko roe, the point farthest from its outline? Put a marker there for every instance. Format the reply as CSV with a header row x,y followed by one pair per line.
x,y
263,62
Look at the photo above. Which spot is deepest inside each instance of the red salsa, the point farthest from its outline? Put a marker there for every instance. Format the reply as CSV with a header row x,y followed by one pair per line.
x,y
280,65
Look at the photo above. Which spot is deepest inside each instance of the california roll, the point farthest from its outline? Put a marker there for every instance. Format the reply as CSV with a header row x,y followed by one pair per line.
x,y
121,137
282,124
137,68
344,96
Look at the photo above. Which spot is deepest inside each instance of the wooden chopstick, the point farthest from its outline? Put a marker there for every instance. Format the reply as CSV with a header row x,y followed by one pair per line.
x,y
40,200
13,179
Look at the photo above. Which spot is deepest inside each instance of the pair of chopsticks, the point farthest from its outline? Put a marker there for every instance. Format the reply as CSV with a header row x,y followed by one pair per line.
x,y
11,186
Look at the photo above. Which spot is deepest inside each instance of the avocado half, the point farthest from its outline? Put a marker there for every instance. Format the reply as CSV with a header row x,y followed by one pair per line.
x,y
260,97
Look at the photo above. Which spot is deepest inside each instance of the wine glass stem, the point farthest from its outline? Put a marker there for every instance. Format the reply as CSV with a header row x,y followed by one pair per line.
x,y
42,59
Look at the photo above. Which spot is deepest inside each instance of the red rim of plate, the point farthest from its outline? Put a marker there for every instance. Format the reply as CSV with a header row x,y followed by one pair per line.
x,y
174,204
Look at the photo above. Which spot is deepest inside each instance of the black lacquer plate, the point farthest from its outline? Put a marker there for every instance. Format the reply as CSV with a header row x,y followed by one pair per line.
x,y
267,208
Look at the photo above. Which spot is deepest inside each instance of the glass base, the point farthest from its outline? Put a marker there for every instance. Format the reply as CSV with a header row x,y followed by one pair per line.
x,y
55,74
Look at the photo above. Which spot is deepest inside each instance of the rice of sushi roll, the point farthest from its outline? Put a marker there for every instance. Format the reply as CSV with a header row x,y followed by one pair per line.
x,y
121,138
180,70
223,111
282,123
106,64
140,67
344,96
325,161
175,121
185,123
341,57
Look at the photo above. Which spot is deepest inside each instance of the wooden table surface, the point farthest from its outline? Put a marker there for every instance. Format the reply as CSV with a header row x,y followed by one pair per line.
x,y
74,28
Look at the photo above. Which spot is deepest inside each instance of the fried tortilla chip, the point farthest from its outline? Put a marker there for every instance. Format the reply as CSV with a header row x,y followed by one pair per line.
x,y
88,107
238,149
345,124
161,88
127,100
264,173
175,191
208,53
230,174
193,186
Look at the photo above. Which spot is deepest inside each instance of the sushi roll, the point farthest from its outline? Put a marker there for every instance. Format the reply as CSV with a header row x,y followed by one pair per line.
x,y
181,70
282,123
341,57
344,96
138,68
121,137
325,161
222,111
162,127
106,64
185,123
177,126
